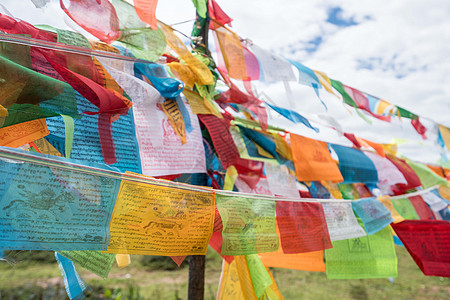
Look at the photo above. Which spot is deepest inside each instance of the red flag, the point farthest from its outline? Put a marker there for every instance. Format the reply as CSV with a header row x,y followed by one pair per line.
x,y
418,126
422,209
98,17
303,227
222,140
428,242
216,13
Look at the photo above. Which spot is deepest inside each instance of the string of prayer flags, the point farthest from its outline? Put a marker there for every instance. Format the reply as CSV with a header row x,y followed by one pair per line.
x,y
428,242
302,226
95,261
248,225
373,214
46,208
355,166
158,220
341,221
76,288
313,161
371,256
99,18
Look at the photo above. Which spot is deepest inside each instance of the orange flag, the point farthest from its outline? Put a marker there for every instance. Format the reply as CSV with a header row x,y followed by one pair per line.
x,y
368,144
313,161
146,9
23,133
232,52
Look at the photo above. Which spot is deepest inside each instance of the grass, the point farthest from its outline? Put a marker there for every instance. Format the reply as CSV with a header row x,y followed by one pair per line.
x,y
42,280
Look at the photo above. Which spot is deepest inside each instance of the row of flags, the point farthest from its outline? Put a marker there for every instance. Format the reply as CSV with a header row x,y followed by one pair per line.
x,y
97,118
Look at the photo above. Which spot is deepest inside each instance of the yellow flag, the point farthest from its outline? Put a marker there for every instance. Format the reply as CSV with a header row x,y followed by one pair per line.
x,y
149,219
123,260
325,82
3,111
197,103
230,178
175,117
46,148
235,282
199,71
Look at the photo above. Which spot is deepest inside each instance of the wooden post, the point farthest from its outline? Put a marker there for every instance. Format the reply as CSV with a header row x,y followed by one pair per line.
x,y
196,277
196,288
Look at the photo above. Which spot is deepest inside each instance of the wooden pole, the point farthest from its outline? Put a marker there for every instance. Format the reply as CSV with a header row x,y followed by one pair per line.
x,y
196,288
196,277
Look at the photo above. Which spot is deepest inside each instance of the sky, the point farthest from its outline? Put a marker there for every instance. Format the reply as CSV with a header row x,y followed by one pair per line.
x,y
397,50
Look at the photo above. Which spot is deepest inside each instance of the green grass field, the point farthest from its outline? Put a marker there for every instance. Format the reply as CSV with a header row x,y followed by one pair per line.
x,y
31,278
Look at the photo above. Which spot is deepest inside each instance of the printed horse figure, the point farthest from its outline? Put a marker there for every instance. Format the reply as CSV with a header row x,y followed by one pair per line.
x,y
37,203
